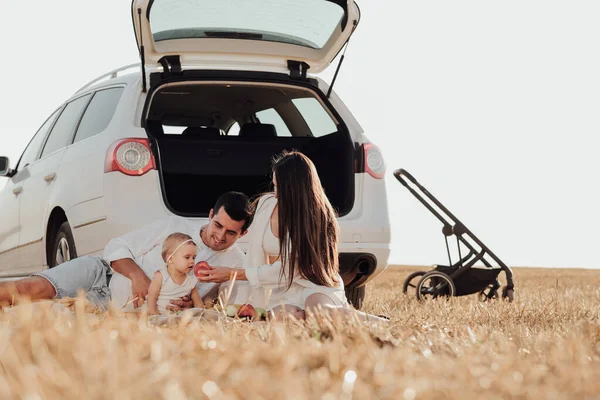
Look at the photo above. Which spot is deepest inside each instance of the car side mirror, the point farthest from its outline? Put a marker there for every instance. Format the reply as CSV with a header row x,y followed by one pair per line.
x,y
5,167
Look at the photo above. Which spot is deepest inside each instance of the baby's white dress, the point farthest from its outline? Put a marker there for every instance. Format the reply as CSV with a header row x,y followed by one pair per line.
x,y
170,290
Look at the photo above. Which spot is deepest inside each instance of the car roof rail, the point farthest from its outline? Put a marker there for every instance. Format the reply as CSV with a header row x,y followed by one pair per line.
x,y
109,75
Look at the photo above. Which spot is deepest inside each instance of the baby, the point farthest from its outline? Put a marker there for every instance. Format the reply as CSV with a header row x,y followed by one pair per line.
x,y
175,279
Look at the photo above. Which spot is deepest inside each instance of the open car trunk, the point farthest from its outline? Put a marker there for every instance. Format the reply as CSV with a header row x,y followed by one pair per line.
x,y
213,137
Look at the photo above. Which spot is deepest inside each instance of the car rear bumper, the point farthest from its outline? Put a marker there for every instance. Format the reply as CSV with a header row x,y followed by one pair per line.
x,y
362,262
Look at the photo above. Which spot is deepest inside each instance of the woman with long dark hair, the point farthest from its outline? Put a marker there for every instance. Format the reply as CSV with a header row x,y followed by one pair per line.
x,y
292,259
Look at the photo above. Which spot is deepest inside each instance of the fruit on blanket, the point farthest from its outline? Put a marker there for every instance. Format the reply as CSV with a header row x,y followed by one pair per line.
x,y
247,311
202,265
261,313
231,310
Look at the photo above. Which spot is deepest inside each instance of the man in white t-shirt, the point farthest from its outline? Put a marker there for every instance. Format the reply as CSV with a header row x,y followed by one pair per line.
x,y
129,261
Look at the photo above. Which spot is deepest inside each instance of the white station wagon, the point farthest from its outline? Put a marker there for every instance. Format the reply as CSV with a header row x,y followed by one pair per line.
x,y
222,87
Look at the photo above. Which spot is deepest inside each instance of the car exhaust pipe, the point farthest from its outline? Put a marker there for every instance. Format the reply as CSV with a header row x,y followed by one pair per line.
x,y
355,268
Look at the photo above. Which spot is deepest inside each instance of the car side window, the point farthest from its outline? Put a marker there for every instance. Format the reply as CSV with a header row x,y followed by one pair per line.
x,y
271,116
62,132
98,113
234,130
33,148
318,120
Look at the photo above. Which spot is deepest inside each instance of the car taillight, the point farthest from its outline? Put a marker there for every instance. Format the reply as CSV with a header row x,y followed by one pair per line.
x,y
130,157
374,163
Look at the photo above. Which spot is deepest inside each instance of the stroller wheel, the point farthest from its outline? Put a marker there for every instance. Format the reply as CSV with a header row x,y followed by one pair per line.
x,y
434,284
410,285
508,294
489,293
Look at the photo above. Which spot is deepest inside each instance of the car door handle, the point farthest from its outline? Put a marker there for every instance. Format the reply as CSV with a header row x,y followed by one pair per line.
x,y
50,177
17,190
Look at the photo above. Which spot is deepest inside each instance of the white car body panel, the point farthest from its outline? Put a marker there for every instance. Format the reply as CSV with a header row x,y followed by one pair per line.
x,y
9,217
35,198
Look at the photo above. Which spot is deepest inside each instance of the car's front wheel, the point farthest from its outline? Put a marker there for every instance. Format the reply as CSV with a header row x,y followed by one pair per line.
x,y
63,247
355,295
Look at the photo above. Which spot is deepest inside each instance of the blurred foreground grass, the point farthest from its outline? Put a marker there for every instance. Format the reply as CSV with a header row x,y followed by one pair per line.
x,y
544,345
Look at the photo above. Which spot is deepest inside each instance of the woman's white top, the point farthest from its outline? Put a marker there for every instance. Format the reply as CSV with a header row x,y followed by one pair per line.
x,y
268,286
270,242
171,290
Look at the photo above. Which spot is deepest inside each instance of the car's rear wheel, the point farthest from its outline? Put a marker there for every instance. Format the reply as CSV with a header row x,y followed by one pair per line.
x,y
355,295
63,247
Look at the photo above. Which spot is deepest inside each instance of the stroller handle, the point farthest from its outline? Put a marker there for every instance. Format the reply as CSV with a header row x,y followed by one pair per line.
x,y
400,173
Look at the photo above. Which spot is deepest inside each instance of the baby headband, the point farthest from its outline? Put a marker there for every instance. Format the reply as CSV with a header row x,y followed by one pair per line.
x,y
177,248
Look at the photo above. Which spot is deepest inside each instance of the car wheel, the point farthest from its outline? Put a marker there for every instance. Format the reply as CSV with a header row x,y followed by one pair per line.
x,y
63,248
355,295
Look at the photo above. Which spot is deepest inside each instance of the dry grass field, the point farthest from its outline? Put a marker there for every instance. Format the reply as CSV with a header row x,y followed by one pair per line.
x,y
544,345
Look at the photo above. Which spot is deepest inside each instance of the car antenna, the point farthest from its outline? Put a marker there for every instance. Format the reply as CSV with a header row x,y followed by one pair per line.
x,y
337,70
142,56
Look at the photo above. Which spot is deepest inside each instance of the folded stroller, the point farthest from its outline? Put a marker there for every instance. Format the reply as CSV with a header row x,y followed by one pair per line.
x,y
463,277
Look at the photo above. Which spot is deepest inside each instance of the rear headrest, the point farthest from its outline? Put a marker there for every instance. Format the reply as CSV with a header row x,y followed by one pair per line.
x,y
202,131
258,130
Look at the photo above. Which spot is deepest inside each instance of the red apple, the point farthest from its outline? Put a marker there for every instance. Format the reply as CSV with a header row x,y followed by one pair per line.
x,y
202,265
247,311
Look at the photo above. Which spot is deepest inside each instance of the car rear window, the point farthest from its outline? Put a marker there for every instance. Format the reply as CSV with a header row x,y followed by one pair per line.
x,y
308,23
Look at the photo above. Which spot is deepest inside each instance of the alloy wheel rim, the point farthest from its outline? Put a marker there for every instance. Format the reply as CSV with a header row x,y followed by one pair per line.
x,y
63,252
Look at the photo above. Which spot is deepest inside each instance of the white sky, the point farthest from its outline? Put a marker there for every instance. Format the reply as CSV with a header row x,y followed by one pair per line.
x,y
493,106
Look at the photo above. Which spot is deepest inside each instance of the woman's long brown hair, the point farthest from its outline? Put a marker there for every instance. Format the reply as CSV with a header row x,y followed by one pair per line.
x,y
308,229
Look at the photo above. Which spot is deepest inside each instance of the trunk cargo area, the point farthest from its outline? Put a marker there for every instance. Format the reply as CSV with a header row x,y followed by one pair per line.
x,y
207,156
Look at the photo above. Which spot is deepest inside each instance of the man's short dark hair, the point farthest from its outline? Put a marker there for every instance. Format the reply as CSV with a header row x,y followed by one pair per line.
x,y
237,205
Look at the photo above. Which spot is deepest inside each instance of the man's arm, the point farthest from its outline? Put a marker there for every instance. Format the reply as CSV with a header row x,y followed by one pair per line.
x,y
121,252
139,281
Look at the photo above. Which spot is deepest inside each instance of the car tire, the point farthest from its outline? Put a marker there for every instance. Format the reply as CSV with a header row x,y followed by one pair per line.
x,y
356,295
63,246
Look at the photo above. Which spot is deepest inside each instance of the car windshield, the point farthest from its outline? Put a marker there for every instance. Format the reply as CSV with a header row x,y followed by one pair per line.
x,y
308,23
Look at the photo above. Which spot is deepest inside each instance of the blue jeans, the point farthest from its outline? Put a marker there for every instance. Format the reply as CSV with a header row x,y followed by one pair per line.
x,y
88,274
